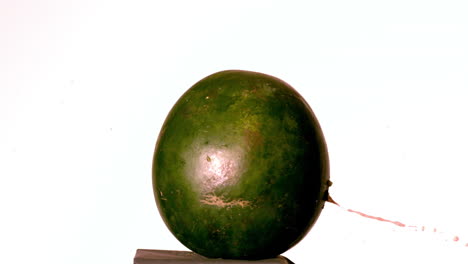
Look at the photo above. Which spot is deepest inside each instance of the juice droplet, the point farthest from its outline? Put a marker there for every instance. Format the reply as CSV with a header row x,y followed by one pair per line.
x,y
400,224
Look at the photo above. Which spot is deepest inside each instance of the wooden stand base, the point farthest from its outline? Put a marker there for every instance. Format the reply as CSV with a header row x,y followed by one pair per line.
x,y
150,256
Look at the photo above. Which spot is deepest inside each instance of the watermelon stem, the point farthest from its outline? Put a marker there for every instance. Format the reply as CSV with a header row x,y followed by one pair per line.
x,y
330,200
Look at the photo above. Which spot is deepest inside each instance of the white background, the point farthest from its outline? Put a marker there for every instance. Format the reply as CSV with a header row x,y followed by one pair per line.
x,y
85,87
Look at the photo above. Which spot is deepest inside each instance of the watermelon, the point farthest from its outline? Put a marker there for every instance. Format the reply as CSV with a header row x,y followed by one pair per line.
x,y
240,168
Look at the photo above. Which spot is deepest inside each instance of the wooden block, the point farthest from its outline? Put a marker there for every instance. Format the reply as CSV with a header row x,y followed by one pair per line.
x,y
150,256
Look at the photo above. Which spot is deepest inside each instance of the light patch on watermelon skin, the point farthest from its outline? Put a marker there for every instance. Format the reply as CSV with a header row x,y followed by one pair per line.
x,y
210,199
215,167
